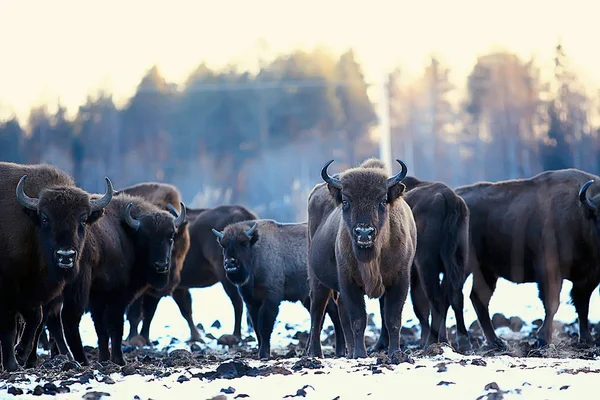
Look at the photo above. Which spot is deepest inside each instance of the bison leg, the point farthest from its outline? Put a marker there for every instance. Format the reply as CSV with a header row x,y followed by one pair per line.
x,y
319,296
71,320
395,298
253,312
33,318
354,301
484,284
462,334
55,325
134,316
340,341
267,314
149,305
115,328
347,327
238,306
549,287
183,298
383,341
32,359
421,308
580,294
439,300
8,334
100,318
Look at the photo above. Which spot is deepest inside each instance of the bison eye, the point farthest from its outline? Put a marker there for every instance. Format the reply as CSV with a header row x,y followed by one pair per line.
x,y
44,220
345,204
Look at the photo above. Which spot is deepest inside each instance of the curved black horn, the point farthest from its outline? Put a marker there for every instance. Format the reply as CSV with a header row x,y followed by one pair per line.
x,y
24,200
251,231
217,233
132,222
394,180
329,179
583,197
103,201
181,218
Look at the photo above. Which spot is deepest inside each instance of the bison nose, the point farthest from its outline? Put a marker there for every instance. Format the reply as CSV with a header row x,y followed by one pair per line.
x,y
65,258
364,235
231,265
162,267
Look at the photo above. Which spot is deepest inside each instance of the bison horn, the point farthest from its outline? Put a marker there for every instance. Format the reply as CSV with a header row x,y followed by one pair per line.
x,y
132,222
217,233
24,200
103,201
394,180
583,197
251,231
180,219
329,179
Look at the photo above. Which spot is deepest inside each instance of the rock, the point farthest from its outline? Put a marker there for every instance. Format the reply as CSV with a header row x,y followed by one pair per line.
x,y
94,395
15,391
228,340
480,362
371,319
182,378
137,341
216,324
515,324
537,323
128,369
228,390
71,365
499,321
200,327
180,358
492,386
306,362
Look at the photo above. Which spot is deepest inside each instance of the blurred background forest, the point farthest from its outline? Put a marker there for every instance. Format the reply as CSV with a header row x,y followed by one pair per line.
x,y
260,138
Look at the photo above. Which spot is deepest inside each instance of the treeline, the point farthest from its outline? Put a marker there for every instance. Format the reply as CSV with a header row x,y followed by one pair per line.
x,y
231,136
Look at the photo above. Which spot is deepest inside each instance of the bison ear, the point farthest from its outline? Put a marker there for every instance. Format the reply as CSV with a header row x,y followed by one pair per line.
x,y
395,192
335,193
95,216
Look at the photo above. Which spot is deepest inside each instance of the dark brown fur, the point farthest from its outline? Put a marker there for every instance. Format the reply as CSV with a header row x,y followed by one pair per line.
x,y
121,265
442,219
534,230
163,196
203,265
270,266
338,262
29,273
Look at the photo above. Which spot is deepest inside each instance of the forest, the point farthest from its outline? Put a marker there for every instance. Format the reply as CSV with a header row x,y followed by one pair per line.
x,y
260,138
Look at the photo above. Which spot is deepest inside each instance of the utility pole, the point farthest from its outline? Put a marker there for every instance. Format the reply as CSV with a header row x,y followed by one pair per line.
x,y
385,136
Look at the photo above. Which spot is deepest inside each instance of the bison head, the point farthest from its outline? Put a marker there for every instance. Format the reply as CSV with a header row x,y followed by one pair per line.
x,y
154,237
365,195
62,214
237,241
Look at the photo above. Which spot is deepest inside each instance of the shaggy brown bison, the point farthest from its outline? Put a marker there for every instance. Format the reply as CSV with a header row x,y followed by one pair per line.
x,y
267,261
203,265
535,230
126,253
442,219
164,196
365,245
44,219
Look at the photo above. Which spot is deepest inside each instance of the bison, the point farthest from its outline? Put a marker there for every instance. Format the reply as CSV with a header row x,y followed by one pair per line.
x,y
541,229
164,196
44,222
442,219
266,260
126,253
202,267
363,245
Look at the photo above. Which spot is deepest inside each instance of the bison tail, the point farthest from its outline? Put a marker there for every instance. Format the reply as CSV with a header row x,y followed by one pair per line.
x,y
455,244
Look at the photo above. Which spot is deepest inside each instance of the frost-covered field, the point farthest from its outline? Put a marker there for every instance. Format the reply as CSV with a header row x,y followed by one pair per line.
x,y
439,371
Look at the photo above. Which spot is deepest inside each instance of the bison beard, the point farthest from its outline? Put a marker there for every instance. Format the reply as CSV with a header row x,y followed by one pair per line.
x,y
362,239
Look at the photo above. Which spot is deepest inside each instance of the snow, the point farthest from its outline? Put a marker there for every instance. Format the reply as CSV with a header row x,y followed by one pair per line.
x,y
530,378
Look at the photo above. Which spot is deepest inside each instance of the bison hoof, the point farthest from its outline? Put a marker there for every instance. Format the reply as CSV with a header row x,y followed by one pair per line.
x,y
539,343
119,361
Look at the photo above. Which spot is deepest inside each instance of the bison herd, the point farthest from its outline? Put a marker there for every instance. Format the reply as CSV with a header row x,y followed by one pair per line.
x,y
64,252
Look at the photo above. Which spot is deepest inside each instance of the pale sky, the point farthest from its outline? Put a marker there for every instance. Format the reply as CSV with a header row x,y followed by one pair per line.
x,y
70,48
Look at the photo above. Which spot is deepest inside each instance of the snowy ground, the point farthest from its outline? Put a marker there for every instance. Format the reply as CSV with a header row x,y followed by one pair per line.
x,y
448,374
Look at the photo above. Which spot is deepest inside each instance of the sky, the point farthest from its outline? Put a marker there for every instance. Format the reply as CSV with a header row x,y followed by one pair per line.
x,y
68,49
